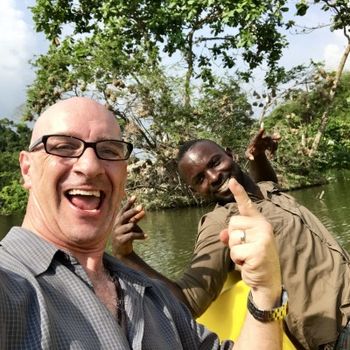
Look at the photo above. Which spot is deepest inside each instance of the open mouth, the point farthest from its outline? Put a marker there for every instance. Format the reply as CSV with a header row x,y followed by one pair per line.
x,y
223,187
85,199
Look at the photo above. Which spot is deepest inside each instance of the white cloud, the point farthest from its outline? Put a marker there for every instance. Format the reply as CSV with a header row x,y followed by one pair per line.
x,y
15,39
17,43
333,52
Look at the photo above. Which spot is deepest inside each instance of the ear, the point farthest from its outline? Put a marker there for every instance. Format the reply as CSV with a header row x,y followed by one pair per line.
x,y
24,162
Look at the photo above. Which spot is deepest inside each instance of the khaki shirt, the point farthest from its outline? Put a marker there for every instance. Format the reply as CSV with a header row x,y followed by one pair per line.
x,y
315,269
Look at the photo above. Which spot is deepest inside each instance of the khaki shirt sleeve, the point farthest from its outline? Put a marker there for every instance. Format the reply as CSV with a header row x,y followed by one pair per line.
x,y
203,280
315,270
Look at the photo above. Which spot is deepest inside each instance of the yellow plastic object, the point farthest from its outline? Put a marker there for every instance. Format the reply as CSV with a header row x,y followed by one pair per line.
x,y
226,314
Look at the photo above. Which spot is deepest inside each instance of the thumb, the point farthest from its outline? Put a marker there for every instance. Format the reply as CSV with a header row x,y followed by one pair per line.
x,y
245,206
224,236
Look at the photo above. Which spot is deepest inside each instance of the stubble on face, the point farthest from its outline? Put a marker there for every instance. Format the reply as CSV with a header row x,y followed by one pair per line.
x,y
207,168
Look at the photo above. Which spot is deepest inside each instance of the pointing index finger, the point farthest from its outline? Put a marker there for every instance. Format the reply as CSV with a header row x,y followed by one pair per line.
x,y
245,205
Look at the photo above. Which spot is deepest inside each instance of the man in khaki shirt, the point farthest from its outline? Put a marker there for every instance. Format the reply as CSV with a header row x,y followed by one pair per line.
x,y
314,266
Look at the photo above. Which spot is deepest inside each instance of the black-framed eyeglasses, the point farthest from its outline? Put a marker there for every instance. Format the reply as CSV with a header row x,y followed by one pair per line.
x,y
73,147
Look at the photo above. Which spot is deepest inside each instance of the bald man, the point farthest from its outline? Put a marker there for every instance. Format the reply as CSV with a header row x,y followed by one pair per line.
x,y
60,290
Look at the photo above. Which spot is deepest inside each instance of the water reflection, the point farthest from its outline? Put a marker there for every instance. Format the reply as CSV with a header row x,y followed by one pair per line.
x,y
171,238
332,208
170,251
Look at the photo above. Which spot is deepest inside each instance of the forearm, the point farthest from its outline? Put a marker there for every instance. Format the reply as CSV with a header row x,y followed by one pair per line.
x,y
258,335
135,262
261,335
260,169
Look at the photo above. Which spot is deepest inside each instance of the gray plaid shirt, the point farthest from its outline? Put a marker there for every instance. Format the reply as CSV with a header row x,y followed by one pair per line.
x,y
47,302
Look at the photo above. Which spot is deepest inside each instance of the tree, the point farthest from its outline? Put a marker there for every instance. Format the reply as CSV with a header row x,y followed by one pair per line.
x,y
225,114
221,113
134,33
297,120
14,138
115,51
339,20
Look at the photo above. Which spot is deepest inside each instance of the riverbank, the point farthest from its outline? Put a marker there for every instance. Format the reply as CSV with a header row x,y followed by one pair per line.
x,y
172,232
167,197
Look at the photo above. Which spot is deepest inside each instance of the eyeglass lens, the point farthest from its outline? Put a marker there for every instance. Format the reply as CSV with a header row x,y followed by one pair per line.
x,y
66,146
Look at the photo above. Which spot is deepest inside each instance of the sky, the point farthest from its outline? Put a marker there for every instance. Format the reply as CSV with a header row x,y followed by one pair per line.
x,y
19,43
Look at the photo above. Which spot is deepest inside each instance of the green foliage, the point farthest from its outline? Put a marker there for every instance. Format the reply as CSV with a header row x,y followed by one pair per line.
x,y
335,149
115,52
297,120
225,114
135,24
13,198
220,112
14,138
117,39
302,8
9,168
340,10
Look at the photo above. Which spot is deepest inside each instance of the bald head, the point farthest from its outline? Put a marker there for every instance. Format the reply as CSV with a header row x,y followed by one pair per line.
x,y
77,110
74,198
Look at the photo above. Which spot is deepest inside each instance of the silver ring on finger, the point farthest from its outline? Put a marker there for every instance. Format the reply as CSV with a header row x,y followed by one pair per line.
x,y
242,236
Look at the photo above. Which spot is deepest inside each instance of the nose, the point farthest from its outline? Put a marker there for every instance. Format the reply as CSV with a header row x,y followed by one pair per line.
x,y
213,177
88,164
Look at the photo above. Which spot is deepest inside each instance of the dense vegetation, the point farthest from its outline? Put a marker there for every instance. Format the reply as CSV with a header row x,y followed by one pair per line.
x,y
122,53
223,114
298,119
13,138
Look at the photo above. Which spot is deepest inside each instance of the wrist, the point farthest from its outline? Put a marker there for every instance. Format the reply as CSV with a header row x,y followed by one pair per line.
x,y
277,312
266,297
123,255
261,156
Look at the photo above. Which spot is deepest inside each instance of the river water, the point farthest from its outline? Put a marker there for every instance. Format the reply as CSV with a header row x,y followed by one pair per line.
x,y
172,232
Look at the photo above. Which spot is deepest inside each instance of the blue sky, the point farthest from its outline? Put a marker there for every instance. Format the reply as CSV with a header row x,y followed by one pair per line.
x,y
19,43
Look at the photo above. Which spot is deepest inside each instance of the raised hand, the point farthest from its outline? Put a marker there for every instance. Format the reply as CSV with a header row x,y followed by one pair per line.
x,y
261,143
252,245
126,229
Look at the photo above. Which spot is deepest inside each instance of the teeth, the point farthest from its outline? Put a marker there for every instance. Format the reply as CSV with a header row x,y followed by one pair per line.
x,y
84,193
224,186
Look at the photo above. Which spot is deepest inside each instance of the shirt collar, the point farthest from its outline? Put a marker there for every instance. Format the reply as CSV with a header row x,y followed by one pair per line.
x,y
33,251
117,268
37,254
